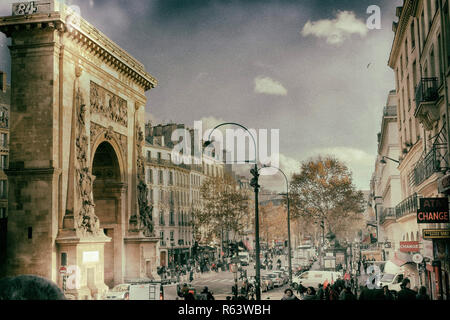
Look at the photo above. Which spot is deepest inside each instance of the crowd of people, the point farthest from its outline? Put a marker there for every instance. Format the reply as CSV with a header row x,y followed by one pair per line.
x,y
340,290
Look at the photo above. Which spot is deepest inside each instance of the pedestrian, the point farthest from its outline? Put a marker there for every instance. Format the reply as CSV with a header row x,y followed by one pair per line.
x,y
191,275
206,294
29,287
334,293
347,295
310,294
422,295
289,295
387,293
320,293
406,294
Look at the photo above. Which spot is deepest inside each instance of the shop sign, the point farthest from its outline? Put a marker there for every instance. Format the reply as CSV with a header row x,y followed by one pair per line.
x,y
436,233
409,246
433,210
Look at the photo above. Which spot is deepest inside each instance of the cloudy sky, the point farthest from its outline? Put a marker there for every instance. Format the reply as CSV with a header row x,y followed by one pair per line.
x,y
310,68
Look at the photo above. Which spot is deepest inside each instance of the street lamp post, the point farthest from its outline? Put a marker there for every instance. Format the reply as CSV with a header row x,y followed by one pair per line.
x,y
288,222
255,185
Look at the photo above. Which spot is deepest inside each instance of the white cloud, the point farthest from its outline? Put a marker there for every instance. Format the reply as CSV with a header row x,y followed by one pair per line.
x,y
267,85
336,31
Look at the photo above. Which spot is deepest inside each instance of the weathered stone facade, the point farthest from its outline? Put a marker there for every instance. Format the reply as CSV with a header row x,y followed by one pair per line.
x,y
77,105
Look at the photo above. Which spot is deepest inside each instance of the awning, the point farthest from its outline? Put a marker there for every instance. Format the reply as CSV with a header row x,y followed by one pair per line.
x,y
401,258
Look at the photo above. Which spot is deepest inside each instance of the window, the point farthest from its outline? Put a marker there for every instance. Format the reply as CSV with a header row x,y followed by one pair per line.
x,y
151,195
408,93
430,17
171,235
149,176
170,178
3,191
447,31
4,140
3,213
161,196
172,218
161,179
159,156
161,235
413,35
30,233
161,218
149,155
422,27
432,63
4,161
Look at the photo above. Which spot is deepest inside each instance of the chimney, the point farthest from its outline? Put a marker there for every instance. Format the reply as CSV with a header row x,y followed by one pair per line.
x,y
3,81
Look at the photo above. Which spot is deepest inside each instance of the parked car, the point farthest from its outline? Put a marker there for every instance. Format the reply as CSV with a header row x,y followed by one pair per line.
x,y
268,282
283,275
276,278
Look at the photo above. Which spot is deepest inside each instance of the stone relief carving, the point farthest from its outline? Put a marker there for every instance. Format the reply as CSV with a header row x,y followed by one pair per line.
x,y
86,219
145,209
108,104
109,135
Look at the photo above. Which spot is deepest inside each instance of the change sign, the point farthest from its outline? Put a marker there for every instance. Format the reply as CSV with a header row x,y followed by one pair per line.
x,y
433,210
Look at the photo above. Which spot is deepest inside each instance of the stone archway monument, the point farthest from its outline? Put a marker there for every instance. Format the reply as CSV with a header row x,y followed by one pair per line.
x,y
77,111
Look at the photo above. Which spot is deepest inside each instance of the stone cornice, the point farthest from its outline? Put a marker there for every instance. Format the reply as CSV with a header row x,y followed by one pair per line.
x,y
87,36
408,10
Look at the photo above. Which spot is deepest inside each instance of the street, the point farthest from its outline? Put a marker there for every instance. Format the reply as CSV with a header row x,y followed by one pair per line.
x,y
220,284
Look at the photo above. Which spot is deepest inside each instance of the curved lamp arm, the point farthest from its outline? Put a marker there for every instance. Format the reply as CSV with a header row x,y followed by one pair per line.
x,y
207,143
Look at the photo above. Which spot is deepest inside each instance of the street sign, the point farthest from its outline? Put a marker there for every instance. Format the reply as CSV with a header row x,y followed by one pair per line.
x,y
62,270
417,258
409,246
433,210
435,233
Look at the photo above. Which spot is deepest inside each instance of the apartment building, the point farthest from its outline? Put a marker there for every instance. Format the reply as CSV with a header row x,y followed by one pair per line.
x,y
420,59
175,192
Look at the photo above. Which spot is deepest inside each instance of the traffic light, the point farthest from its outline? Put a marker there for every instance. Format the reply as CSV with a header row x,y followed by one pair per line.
x,y
254,181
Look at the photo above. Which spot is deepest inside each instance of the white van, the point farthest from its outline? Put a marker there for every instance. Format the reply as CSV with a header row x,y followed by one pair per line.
x,y
392,277
314,278
244,258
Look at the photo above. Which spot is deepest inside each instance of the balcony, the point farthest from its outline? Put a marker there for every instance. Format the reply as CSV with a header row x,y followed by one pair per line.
x,y
434,161
167,162
407,206
427,95
387,213
390,111
162,243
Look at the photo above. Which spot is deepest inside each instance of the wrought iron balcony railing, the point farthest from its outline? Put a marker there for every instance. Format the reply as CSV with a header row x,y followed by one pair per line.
x,y
433,161
427,90
162,243
387,213
407,206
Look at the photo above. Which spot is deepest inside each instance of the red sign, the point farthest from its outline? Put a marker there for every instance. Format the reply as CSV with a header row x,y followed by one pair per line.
x,y
409,246
433,210
62,270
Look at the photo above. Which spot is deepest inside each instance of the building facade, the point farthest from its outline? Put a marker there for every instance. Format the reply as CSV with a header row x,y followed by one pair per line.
x,y
5,101
175,192
420,59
